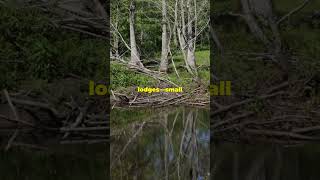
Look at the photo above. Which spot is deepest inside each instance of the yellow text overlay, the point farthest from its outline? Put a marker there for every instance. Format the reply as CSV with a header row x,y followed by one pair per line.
x,y
223,89
158,90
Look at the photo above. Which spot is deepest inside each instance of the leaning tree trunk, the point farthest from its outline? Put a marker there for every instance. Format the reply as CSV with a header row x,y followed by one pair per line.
x,y
135,57
261,11
164,51
254,27
185,34
181,30
216,40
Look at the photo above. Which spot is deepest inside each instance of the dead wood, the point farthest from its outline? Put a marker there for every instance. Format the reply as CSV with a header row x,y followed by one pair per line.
x,y
13,108
40,105
247,101
197,97
280,133
282,120
73,123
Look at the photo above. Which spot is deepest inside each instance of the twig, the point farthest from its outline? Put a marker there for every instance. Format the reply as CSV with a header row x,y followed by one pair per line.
x,y
29,146
88,141
112,93
85,32
17,121
171,99
173,64
280,133
307,129
219,106
130,140
64,129
241,116
75,124
15,113
97,122
148,73
276,88
198,103
39,104
237,104
293,11
135,97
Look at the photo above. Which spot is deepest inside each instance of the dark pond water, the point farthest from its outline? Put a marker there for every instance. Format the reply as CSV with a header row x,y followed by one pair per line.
x,y
159,144
264,162
60,162
166,144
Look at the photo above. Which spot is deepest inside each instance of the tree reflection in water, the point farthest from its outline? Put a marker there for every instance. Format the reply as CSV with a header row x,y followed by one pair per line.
x,y
173,144
231,161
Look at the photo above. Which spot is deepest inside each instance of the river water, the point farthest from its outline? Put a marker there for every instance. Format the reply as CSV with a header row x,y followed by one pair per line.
x,y
264,162
169,143
166,144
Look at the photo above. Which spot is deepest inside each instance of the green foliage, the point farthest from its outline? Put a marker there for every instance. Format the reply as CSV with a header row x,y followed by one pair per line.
x,y
249,72
203,64
121,77
148,23
285,6
32,48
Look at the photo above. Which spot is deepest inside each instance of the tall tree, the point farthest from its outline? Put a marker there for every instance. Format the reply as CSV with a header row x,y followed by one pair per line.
x,y
188,26
164,49
191,36
115,37
135,57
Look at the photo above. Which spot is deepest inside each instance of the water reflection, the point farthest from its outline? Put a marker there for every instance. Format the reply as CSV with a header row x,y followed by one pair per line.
x,y
263,162
172,144
58,162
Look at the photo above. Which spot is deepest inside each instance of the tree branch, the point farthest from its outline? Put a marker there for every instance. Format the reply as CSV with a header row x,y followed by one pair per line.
x,y
293,11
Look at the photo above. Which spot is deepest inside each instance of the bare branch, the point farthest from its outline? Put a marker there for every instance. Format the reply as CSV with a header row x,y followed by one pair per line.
x,y
293,11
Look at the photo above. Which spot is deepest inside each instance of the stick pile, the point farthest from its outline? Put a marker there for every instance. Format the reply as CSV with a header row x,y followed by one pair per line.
x,y
32,122
280,115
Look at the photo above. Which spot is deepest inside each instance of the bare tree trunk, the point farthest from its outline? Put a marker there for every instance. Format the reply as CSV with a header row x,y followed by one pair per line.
x,y
99,9
115,35
191,59
135,57
186,34
181,32
164,51
216,40
181,27
262,10
252,23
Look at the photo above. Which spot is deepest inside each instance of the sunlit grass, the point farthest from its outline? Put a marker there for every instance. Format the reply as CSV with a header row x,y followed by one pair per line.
x,y
122,77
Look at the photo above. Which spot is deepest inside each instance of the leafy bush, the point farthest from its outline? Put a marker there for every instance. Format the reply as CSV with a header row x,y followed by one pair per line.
x,y
32,48
121,77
